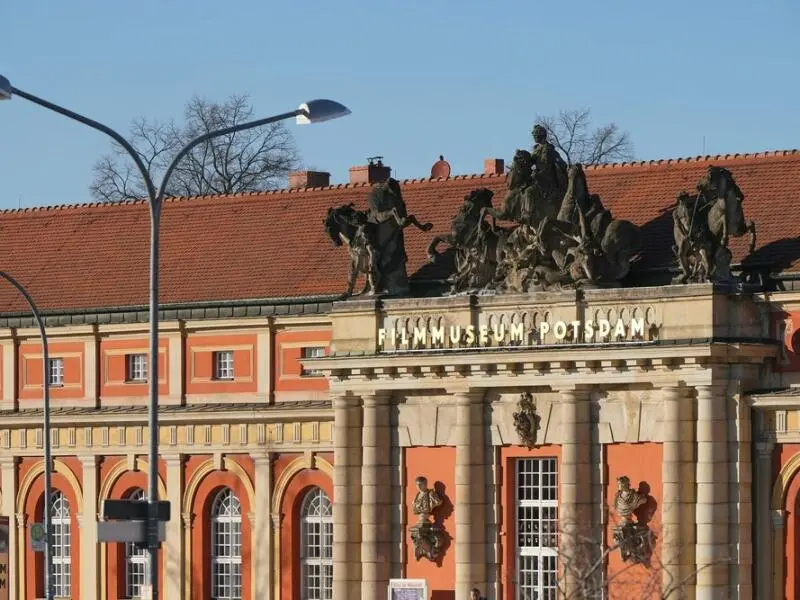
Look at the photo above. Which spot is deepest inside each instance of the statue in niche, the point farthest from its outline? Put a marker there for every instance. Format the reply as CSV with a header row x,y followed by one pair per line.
x,y
635,540
526,420
427,536
703,225
375,239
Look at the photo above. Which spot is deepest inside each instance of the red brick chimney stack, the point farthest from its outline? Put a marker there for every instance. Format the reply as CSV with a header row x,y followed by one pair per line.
x,y
493,166
374,172
309,179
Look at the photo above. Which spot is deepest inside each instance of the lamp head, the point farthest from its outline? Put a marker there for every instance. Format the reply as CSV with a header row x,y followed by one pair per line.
x,y
5,88
317,111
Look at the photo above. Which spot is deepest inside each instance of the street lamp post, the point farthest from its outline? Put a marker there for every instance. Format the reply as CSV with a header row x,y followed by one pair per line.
x,y
315,111
48,459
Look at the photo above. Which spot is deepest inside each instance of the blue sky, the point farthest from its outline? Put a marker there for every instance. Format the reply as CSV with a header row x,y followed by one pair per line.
x,y
463,79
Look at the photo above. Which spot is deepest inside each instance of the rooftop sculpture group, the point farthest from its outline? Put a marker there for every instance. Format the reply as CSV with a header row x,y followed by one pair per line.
x,y
557,233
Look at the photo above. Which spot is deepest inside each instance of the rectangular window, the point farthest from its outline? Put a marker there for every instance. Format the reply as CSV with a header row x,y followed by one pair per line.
x,y
137,367
55,371
311,352
223,364
537,528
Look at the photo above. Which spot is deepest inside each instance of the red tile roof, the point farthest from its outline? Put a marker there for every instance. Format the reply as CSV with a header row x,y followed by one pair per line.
x,y
270,245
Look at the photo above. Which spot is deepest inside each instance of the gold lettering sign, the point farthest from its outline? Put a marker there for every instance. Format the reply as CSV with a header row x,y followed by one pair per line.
x,y
457,336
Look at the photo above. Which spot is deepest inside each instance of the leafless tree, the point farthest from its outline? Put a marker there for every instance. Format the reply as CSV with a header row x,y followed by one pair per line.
x,y
585,572
251,160
572,132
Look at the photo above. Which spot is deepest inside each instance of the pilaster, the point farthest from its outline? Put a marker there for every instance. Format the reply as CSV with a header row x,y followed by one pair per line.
x,y
712,550
91,374
264,364
347,498
376,480
763,519
277,520
672,541
8,347
175,366
8,480
262,528
470,504
90,557
173,556
576,480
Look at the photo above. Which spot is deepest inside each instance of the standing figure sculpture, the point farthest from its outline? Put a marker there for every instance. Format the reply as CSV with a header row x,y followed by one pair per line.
x,y
427,536
635,540
375,239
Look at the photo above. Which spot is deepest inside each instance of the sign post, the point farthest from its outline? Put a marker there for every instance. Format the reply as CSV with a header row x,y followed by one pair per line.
x,y
408,589
129,521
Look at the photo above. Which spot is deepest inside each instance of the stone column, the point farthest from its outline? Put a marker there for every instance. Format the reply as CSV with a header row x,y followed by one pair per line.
x,y
470,501
576,479
262,538
763,518
346,498
8,478
173,555
777,569
712,551
277,521
21,581
90,557
671,539
376,482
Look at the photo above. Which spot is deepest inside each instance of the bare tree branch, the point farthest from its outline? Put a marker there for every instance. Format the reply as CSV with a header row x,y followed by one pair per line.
x,y
572,134
252,160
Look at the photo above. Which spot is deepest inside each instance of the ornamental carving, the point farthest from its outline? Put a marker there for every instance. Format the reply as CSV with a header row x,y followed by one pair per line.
x,y
634,539
427,536
526,420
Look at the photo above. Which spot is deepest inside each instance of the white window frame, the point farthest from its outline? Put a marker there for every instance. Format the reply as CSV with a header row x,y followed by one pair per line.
x,y
137,367
226,546
311,352
55,371
223,365
316,546
536,527
61,524
137,561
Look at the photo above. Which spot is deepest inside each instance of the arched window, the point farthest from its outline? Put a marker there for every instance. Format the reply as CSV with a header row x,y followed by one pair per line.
x,y
226,546
62,540
136,561
316,546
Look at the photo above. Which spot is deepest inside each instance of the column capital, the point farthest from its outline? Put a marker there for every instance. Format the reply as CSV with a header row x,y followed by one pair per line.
x,y
20,518
9,461
89,460
173,459
263,458
573,393
469,396
673,392
345,400
376,398
188,519
778,519
277,520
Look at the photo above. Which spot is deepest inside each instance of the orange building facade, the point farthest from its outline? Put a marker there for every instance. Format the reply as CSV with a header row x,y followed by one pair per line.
x,y
295,425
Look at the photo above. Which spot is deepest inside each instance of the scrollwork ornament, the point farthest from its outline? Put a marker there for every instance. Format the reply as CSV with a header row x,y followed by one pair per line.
x,y
526,420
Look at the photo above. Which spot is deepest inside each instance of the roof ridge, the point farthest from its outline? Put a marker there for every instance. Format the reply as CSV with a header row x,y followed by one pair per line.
x,y
696,159
410,181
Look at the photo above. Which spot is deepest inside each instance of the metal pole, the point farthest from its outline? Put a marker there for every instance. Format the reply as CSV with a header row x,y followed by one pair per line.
x,y
155,201
48,459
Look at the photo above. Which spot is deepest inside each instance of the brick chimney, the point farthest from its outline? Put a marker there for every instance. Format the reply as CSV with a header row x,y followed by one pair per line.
x,y
493,166
309,179
374,172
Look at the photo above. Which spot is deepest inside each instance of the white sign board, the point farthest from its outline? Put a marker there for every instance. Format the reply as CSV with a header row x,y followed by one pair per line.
x,y
408,589
38,538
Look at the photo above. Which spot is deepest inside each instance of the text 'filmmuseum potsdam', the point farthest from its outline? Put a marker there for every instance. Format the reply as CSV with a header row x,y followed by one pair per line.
x,y
543,381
